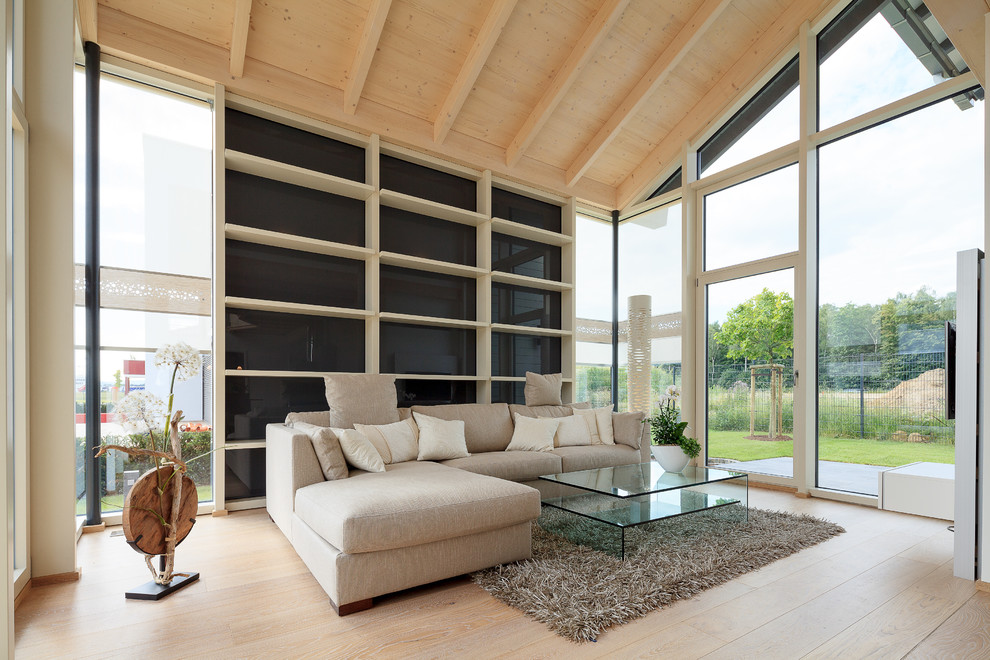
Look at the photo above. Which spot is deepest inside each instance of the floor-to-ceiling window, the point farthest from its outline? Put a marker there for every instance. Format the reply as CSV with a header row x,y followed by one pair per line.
x,y
897,201
155,242
593,306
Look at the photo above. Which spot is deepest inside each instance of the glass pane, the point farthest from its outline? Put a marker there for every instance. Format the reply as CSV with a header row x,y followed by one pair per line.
x,y
423,349
893,215
872,55
422,236
514,355
293,342
525,257
271,273
769,120
513,392
517,305
752,220
417,292
255,201
593,301
650,265
254,402
244,474
750,412
525,210
426,183
286,144
411,392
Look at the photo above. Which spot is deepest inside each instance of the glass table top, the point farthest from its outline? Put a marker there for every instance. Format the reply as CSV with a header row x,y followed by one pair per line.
x,y
642,479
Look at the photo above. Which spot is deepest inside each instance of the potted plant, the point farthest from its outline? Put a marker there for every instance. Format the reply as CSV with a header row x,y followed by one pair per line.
x,y
670,447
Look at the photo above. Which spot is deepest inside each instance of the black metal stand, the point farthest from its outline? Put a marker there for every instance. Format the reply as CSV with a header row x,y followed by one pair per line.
x,y
154,591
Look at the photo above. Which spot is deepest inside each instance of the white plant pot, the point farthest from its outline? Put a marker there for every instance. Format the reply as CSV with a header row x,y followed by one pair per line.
x,y
670,457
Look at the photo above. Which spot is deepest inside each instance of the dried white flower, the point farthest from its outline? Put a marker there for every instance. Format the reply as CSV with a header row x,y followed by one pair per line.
x,y
673,392
181,356
140,412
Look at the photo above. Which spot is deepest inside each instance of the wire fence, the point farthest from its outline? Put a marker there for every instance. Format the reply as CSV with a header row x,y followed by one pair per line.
x,y
899,397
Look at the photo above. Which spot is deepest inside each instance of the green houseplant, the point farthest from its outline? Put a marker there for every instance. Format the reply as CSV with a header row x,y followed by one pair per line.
x,y
669,445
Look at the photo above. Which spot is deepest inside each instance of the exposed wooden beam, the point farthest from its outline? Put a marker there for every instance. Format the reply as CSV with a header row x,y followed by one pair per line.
x,y
964,24
365,52
136,40
590,40
685,40
86,15
477,56
239,36
769,47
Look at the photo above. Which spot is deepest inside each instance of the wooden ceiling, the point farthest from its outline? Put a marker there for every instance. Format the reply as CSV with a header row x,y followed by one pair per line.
x,y
591,98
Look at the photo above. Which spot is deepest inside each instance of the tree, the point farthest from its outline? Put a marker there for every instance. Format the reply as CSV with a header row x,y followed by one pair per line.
x,y
761,329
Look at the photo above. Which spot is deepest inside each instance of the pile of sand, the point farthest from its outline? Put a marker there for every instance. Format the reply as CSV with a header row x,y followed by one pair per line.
x,y
924,394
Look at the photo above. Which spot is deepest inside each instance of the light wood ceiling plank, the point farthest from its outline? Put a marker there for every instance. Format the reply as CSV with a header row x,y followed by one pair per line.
x,y
480,49
135,40
590,40
672,55
209,21
965,26
364,54
239,37
768,48
86,17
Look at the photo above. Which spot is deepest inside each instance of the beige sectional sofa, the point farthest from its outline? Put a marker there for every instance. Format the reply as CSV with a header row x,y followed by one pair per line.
x,y
374,533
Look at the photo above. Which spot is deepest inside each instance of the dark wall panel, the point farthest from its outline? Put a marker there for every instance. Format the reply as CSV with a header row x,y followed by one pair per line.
x,y
525,257
408,291
517,305
253,402
532,212
421,349
514,355
425,183
422,236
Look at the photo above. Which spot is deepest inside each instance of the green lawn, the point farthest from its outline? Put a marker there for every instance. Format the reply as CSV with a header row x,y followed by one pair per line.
x,y
732,444
116,502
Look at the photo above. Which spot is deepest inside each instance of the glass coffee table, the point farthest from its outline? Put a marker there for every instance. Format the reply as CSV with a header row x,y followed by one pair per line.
x,y
607,501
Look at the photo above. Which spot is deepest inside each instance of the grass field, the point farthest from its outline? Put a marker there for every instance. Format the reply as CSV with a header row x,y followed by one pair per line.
x,y
733,444
116,502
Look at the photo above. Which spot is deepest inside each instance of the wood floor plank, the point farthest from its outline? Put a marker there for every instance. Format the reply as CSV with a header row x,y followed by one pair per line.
x,y
257,599
890,631
965,634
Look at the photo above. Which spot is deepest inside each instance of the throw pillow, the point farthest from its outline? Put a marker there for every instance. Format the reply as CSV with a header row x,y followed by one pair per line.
x,y
361,399
327,448
573,431
601,427
440,439
541,411
627,428
533,433
397,443
543,389
359,451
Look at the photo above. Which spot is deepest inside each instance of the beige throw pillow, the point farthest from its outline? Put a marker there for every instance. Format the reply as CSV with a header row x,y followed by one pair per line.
x,y
573,431
627,428
359,451
361,399
397,443
533,433
440,439
543,389
327,448
601,427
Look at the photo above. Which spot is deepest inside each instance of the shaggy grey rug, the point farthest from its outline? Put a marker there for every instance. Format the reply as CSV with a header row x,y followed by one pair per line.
x,y
579,592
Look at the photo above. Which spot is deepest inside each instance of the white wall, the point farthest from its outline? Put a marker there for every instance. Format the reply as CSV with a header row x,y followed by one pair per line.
x,y
49,62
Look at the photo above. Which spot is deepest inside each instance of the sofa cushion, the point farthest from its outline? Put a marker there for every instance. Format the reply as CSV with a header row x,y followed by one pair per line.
x,y
327,448
600,423
542,389
533,433
588,458
411,504
627,428
359,451
573,431
361,399
487,426
316,418
541,411
511,465
396,442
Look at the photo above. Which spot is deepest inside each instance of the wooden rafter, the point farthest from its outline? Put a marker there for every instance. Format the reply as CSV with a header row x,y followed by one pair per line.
x,y
86,15
239,36
686,38
964,23
477,56
768,47
590,40
365,53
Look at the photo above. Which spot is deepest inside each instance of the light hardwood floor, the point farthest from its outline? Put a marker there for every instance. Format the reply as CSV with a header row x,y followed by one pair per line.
x,y
883,589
